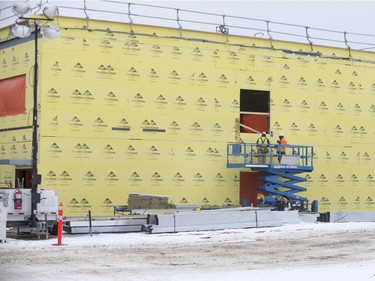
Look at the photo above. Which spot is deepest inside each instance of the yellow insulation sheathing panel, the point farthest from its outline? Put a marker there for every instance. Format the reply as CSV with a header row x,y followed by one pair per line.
x,y
15,62
138,166
7,176
152,112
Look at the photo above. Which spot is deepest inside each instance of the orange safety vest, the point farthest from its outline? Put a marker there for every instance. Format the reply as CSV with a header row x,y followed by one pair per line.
x,y
283,144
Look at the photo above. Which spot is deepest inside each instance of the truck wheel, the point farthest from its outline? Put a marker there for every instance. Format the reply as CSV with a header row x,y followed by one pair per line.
x,y
53,230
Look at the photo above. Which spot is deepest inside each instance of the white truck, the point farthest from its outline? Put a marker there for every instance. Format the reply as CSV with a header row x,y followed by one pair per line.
x,y
18,204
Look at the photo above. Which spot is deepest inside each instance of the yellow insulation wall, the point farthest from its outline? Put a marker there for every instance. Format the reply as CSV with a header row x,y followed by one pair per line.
x,y
152,112
17,144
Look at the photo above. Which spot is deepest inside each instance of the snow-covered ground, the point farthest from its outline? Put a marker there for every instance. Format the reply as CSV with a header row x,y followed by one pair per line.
x,y
317,251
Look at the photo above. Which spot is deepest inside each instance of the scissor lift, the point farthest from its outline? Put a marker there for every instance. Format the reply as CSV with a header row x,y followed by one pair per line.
x,y
281,169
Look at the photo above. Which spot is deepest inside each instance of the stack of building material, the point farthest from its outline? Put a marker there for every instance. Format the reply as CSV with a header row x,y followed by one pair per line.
x,y
148,201
348,216
124,224
244,217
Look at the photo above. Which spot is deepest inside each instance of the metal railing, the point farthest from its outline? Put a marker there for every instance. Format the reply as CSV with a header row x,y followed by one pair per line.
x,y
252,155
182,19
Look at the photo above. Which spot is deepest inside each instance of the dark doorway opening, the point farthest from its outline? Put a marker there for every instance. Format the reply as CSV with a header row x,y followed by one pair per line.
x,y
254,111
24,178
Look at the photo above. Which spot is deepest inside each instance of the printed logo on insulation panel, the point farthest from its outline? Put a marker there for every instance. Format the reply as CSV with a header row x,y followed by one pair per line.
x,y
156,179
219,179
111,178
369,202
85,97
174,128
135,179
99,125
109,152
123,125
198,179
89,178
82,150
110,99
324,201
160,102
195,128
75,204
78,70
178,179
53,95
54,150
212,153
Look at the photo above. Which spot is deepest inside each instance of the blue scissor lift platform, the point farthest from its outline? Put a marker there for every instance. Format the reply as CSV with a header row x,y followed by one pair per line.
x,y
281,169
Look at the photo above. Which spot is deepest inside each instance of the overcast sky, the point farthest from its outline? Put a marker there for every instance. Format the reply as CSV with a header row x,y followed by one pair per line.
x,y
349,16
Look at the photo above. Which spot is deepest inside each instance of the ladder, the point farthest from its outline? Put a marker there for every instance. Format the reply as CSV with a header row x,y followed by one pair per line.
x,y
281,180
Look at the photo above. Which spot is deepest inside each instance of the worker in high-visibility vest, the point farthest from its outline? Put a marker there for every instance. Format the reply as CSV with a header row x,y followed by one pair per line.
x,y
263,144
260,199
282,145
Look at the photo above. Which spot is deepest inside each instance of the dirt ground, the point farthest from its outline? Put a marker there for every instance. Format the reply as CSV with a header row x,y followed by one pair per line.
x,y
234,253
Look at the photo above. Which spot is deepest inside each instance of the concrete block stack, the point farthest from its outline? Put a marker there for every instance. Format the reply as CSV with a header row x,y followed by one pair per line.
x,y
149,201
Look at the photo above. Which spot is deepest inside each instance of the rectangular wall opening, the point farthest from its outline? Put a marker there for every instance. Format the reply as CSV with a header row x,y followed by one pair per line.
x,y
254,111
12,95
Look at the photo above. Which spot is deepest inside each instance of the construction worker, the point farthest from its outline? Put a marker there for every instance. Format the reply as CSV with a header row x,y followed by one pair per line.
x,y
282,145
260,199
263,144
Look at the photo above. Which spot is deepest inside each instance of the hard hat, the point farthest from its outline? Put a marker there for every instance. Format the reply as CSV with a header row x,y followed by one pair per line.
x,y
281,134
263,133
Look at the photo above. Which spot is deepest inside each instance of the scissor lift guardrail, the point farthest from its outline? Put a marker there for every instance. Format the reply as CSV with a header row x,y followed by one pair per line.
x,y
281,180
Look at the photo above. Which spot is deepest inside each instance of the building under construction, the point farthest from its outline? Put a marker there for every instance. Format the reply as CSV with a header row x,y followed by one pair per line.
x,y
129,108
